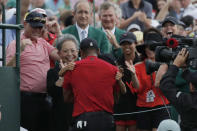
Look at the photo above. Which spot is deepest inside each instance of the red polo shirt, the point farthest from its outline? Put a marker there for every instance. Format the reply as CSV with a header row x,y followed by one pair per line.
x,y
92,82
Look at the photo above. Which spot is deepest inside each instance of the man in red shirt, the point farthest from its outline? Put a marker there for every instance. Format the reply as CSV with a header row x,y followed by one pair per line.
x,y
93,83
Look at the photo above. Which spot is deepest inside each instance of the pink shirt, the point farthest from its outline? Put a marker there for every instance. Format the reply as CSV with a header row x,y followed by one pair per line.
x,y
34,63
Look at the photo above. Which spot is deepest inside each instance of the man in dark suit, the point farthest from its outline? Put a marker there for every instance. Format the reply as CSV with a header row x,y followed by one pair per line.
x,y
82,29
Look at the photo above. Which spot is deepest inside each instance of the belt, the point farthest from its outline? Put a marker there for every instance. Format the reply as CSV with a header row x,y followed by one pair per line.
x,y
33,94
98,113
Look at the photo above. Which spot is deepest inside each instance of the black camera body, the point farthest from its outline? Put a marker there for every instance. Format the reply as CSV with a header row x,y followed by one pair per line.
x,y
167,50
167,53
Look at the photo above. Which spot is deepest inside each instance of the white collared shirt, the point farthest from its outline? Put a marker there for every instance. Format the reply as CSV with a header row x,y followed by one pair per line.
x,y
79,29
112,31
188,9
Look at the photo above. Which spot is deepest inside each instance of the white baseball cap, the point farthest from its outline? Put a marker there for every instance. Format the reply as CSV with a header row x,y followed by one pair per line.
x,y
40,10
134,26
168,125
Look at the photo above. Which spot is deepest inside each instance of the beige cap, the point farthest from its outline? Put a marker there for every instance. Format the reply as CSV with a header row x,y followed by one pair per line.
x,y
139,35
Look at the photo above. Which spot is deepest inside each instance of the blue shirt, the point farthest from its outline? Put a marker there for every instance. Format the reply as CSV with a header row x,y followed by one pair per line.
x,y
50,4
128,10
10,33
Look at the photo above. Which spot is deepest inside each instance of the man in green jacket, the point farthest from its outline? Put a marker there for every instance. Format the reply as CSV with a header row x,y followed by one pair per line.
x,y
107,15
82,29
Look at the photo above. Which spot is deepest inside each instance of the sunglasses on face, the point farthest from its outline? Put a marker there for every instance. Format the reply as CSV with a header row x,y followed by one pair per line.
x,y
37,27
37,19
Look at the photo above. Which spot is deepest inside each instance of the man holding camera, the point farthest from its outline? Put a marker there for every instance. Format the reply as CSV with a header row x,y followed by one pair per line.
x,y
185,103
169,27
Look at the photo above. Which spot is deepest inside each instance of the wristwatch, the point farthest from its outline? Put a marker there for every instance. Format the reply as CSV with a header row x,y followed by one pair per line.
x,y
61,78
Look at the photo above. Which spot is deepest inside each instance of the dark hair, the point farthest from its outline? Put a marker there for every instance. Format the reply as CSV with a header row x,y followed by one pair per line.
x,y
146,36
151,30
108,58
188,20
67,18
69,21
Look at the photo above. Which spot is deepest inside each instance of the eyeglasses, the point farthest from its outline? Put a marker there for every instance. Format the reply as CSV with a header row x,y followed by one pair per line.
x,y
70,51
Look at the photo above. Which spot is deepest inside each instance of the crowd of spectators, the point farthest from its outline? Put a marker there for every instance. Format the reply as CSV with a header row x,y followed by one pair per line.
x,y
64,83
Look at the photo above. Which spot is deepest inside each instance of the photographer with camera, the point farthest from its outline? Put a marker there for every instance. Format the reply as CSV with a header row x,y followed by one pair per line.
x,y
151,103
185,103
169,27
166,52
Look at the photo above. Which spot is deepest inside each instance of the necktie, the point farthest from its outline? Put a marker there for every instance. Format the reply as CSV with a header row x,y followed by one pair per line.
x,y
83,33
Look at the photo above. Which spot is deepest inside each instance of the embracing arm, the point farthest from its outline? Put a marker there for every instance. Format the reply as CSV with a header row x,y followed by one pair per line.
x,y
54,55
23,44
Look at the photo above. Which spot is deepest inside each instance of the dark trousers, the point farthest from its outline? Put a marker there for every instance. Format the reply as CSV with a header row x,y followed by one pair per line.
x,y
35,112
188,129
61,115
151,119
94,121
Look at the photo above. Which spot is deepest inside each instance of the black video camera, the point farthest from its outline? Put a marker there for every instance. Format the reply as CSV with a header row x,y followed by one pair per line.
x,y
168,52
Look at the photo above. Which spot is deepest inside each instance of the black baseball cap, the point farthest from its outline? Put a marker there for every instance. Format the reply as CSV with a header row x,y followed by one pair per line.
x,y
151,39
171,19
127,37
190,76
88,43
35,19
